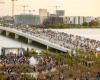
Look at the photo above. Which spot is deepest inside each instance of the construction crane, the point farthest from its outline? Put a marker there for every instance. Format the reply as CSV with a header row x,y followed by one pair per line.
x,y
24,8
31,11
56,8
2,2
13,5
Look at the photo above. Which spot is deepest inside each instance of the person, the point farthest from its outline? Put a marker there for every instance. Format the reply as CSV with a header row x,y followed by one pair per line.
x,y
61,76
98,76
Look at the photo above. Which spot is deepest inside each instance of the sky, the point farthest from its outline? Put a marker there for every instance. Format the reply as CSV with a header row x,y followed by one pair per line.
x,y
71,7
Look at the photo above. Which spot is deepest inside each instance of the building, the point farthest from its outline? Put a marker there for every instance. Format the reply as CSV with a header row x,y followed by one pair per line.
x,y
27,19
88,19
43,15
65,20
53,20
52,15
71,20
78,19
81,21
36,19
12,51
60,13
8,20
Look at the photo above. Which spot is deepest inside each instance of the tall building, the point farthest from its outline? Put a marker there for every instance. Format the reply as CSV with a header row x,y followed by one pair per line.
x,y
52,15
36,19
79,19
88,19
60,13
27,19
65,20
43,15
53,20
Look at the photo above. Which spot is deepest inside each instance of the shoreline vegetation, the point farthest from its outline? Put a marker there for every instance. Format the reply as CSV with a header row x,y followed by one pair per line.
x,y
64,26
59,25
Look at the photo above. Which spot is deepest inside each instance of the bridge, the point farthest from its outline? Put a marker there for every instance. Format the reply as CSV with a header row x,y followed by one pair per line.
x,y
30,38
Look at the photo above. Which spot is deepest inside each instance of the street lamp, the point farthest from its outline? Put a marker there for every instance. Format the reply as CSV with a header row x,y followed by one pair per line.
x,y
21,25
27,41
59,67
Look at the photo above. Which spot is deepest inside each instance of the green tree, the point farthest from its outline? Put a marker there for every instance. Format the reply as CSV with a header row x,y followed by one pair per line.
x,y
85,24
94,23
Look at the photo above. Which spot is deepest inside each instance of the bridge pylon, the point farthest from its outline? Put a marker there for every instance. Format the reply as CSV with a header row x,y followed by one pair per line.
x,y
16,36
29,41
7,33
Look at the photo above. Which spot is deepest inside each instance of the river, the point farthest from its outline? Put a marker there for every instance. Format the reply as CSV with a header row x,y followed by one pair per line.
x,y
8,42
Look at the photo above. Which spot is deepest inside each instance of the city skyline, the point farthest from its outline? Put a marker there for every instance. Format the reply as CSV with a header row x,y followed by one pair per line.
x,y
71,7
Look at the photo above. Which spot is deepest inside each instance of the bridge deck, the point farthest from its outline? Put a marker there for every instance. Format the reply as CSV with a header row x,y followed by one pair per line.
x,y
37,39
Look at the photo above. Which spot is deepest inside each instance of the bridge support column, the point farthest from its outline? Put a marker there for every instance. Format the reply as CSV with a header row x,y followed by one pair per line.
x,y
29,41
16,36
47,47
7,33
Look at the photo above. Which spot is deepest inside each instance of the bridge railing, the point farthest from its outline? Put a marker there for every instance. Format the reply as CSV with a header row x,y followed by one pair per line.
x,y
34,38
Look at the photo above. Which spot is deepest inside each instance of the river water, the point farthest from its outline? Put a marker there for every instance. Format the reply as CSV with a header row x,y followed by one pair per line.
x,y
8,42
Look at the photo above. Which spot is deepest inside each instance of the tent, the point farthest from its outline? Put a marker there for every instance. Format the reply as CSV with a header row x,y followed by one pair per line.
x,y
33,61
98,49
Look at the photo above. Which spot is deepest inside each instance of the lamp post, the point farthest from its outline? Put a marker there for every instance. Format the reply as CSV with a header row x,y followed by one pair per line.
x,y
27,41
59,68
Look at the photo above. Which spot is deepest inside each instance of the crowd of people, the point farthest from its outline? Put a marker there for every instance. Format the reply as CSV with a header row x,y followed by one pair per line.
x,y
62,39
12,59
48,68
14,65
17,67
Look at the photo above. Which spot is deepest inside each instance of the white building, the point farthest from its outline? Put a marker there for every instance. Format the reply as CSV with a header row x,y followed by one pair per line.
x,y
88,19
60,13
78,19
43,15
81,20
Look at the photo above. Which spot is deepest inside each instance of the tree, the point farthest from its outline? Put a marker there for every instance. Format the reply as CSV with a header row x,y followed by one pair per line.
x,y
94,23
85,24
